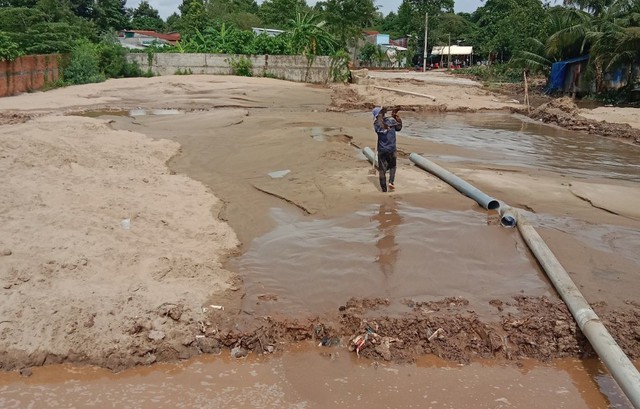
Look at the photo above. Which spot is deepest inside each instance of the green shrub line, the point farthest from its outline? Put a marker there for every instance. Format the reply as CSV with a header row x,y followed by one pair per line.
x,y
241,66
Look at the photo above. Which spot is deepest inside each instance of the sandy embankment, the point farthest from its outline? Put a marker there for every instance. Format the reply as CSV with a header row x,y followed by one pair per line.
x,y
77,286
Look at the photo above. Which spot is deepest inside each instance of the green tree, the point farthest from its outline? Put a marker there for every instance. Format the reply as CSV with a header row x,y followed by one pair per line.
x,y
347,18
18,3
194,18
505,25
84,8
145,17
111,15
9,50
84,64
56,10
278,13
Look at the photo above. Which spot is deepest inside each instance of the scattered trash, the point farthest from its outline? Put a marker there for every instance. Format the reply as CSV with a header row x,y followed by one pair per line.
x,y
216,307
370,336
126,224
279,174
7,252
329,342
435,334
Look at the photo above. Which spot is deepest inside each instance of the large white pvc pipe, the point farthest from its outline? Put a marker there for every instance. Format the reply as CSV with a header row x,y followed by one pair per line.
x,y
463,187
620,366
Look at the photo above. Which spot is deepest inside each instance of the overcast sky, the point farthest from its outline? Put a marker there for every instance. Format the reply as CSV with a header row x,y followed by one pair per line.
x,y
167,7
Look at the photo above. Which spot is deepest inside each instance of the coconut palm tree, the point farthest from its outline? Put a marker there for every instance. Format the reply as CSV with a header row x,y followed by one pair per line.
x,y
606,29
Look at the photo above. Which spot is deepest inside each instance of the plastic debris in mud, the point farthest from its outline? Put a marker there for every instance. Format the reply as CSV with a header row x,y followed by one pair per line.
x,y
279,173
366,336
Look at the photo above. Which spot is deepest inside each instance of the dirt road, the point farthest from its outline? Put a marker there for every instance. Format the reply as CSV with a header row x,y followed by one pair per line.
x,y
119,244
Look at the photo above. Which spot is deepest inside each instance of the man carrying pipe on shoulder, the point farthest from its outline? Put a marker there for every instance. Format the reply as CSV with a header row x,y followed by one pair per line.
x,y
386,129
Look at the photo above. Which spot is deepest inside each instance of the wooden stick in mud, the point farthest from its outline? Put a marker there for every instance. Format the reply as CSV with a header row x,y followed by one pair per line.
x,y
526,92
399,91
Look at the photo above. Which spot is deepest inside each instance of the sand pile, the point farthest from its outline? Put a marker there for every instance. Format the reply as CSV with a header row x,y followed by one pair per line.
x,y
103,253
565,113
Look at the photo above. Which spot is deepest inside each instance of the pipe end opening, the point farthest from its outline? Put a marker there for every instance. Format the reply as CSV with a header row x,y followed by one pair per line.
x,y
508,221
493,205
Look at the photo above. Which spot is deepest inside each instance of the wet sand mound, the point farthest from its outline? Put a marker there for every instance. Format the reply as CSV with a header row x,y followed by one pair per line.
x,y
99,240
565,113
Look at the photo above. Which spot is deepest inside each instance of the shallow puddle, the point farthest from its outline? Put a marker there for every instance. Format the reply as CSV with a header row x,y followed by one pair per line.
x,y
514,142
389,250
307,376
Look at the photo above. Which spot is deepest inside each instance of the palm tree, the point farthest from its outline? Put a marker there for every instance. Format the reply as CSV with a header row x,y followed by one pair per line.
x,y
308,35
608,30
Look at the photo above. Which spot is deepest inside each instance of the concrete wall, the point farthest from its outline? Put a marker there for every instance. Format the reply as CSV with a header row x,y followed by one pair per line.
x,y
288,67
28,73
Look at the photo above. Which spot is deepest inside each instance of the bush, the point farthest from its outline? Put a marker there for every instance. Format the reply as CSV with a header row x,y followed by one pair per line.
x,y
494,73
340,66
113,61
242,67
84,64
9,50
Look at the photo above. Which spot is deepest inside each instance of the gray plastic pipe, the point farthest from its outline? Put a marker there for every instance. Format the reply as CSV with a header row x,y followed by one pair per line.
x,y
371,156
620,366
460,185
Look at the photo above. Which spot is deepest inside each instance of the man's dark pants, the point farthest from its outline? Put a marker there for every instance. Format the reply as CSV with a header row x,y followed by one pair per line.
x,y
386,162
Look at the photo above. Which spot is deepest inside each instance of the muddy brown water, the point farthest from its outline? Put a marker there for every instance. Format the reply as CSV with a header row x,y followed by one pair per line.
x,y
388,250
308,376
525,143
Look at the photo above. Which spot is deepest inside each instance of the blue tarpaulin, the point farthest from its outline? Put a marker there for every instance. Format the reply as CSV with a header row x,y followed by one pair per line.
x,y
558,72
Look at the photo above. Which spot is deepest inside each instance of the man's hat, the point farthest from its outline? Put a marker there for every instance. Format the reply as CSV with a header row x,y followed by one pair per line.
x,y
376,111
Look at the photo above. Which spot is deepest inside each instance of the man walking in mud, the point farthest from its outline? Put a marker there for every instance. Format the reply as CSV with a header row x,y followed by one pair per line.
x,y
386,129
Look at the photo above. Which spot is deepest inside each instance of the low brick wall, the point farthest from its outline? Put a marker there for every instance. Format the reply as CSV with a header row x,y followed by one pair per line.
x,y
288,67
28,73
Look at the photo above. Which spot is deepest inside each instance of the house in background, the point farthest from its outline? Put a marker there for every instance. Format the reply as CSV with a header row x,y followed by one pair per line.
x,y
376,38
271,32
140,39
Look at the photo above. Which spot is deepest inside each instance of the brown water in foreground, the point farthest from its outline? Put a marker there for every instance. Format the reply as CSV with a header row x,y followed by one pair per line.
x,y
307,376
390,250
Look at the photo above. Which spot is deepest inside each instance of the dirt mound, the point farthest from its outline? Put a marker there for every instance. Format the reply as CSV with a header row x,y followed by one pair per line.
x,y
565,113
526,327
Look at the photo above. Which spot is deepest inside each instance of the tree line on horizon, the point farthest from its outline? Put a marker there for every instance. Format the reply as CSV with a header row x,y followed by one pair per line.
x,y
526,33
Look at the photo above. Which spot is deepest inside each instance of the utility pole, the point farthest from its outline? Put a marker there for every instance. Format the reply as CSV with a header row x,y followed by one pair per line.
x,y
449,57
426,32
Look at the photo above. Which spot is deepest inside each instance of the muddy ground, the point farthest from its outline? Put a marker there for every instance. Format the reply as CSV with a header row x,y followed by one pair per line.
x,y
118,243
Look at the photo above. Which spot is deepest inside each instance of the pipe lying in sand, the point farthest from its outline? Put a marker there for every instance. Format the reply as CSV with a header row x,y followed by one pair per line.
x,y
370,155
614,358
460,185
508,216
621,368
401,91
